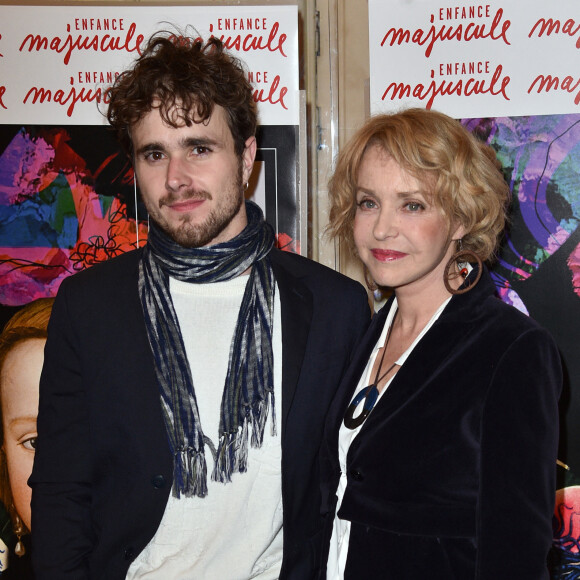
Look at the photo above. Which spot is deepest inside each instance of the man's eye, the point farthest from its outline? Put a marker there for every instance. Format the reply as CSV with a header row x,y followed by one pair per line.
x,y
201,150
154,156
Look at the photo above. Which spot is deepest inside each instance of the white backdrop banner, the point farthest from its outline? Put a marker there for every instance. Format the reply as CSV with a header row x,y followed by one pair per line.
x,y
56,61
516,57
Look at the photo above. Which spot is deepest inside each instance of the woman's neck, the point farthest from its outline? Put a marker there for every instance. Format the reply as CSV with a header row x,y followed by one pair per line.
x,y
415,310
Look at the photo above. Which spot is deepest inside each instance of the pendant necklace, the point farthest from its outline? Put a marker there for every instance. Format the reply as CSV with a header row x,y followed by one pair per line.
x,y
370,394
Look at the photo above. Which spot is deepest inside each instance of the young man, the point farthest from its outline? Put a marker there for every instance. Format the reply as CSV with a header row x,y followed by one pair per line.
x,y
185,385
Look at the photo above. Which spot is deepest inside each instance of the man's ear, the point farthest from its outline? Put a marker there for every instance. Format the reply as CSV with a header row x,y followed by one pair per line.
x,y
248,157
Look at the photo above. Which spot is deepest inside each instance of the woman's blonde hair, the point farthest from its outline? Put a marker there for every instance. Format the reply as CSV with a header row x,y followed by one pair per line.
x,y
28,323
462,173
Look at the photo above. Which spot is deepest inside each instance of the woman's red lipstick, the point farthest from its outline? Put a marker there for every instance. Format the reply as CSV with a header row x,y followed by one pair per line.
x,y
387,255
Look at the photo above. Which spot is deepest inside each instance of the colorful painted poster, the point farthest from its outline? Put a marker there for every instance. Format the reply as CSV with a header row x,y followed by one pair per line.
x,y
508,71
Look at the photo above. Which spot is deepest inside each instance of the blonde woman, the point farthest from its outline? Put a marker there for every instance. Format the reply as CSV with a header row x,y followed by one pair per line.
x,y
440,448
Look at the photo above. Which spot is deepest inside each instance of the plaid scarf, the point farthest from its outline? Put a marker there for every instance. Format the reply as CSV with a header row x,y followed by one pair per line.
x,y
249,386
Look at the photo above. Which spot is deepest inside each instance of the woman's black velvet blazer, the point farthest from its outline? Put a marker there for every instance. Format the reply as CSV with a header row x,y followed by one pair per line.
x,y
452,476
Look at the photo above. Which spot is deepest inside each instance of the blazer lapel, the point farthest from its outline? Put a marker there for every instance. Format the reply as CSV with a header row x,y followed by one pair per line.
x,y
431,353
456,324
142,387
352,377
296,316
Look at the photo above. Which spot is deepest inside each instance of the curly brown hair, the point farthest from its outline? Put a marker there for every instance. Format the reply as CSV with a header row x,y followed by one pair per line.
x,y
462,173
184,77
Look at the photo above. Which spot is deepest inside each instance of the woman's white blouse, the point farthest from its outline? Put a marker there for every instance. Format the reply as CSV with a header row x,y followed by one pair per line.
x,y
341,528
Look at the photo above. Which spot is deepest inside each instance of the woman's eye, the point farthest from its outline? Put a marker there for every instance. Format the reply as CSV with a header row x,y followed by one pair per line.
x,y
415,206
367,204
29,443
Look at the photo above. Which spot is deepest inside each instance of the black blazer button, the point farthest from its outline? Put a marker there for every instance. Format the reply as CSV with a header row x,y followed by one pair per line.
x,y
158,481
129,553
356,475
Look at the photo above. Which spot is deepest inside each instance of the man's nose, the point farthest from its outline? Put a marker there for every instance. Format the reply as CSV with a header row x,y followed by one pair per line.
x,y
178,174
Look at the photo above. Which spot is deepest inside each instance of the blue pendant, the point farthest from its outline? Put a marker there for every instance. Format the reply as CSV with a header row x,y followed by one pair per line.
x,y
370,394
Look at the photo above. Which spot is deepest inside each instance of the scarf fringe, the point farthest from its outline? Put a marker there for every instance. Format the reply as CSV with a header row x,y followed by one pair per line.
x,y
190,474
232,452
226,458
259,417
273,428
241,464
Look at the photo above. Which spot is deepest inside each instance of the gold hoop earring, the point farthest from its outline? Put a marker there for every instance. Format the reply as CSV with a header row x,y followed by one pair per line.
x,y
458,258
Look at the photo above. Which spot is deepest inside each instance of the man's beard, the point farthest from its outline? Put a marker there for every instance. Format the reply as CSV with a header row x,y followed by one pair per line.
x,y
190,235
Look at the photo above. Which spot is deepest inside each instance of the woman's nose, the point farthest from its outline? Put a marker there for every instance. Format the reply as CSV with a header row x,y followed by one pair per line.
x,y
385,225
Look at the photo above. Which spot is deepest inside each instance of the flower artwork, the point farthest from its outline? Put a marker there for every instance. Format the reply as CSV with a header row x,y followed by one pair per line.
x,y
63,207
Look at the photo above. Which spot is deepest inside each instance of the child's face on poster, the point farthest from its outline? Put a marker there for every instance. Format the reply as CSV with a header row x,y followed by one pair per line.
x,y
19,381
